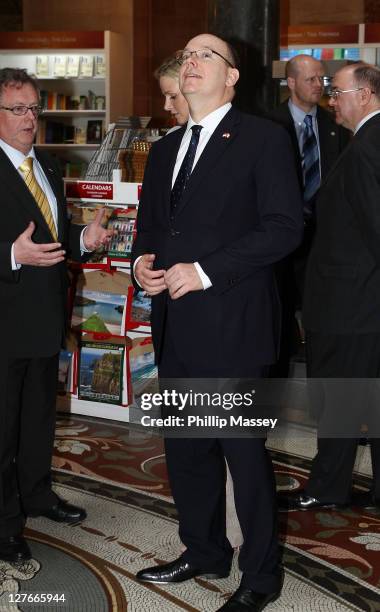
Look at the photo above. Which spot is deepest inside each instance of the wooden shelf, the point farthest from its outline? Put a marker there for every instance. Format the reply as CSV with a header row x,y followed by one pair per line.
x,y
67,146
73,113
81,79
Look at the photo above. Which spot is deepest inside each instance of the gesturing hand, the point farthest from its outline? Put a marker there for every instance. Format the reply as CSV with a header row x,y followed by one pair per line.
x,y
152,281
94,234
27,252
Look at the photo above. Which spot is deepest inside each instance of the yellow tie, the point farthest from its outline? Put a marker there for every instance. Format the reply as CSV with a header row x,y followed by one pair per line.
x,y
43,203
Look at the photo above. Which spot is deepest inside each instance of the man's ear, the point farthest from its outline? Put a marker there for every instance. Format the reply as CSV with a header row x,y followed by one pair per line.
x,y
365,96
232,77
291,83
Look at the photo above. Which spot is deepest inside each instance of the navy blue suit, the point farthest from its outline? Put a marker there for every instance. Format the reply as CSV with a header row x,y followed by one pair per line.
x,y
240,213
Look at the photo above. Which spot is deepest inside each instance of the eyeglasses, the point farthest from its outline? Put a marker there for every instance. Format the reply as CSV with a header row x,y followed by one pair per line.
x,y
21,109
337,92
202,54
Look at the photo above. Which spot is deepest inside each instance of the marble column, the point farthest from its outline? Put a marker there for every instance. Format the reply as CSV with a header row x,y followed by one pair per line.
x,y
252,26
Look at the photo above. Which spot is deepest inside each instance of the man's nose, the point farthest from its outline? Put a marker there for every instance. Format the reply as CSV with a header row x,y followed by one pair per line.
x,y
29,113
192,59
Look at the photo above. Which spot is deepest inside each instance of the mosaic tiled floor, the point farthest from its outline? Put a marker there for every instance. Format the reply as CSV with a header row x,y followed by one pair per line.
x,y
331,559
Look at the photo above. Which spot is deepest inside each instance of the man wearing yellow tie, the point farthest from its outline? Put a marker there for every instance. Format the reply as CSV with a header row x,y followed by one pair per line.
x,y
35,237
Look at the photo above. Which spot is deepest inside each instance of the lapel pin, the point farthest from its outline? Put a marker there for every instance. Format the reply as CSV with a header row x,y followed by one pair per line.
x,y
226,135
332,133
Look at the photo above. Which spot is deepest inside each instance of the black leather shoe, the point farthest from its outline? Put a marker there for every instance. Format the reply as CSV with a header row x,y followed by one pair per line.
x,y
176,571
248,600
302,501
366,500
14,549
63,512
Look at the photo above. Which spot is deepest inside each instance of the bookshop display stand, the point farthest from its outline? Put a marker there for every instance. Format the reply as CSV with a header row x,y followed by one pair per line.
x,y
85,80
109,361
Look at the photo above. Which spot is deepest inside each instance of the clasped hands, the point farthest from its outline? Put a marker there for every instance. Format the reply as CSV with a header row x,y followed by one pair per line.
x,y
178,280
27,252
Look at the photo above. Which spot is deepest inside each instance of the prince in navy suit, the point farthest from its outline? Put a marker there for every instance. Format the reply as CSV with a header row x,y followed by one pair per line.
x,y
207,239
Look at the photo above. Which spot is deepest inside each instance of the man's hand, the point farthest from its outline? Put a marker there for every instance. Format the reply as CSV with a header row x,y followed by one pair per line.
x,y
181,279
27,252
152,281
95,235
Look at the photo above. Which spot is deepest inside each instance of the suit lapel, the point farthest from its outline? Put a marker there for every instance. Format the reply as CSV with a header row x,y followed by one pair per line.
x,y
13,183
328,141
218,144
167,178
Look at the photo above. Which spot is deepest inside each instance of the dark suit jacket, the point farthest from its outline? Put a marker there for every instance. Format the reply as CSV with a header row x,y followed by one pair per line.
x,y
241,212
32,300
333,138
342,292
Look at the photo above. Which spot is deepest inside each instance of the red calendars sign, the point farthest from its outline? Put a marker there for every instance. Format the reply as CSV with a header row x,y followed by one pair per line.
x,y
89,190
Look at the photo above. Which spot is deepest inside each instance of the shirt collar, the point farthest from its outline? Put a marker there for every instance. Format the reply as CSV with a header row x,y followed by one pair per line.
x,y
210,122
15,156
365,119
298,114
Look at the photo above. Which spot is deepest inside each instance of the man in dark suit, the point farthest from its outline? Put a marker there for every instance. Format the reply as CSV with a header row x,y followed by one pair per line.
x,y
304,77
342,295
35,235
208,233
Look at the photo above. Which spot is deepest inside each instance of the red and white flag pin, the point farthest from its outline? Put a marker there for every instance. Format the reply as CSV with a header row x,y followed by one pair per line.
x,y
226,135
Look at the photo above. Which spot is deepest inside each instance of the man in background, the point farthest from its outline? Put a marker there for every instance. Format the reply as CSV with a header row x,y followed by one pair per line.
x,y
35,237
219,205
317,143
342,297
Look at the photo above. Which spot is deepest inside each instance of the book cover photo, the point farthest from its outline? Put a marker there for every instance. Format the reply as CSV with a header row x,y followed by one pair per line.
x,y
99,312
100,375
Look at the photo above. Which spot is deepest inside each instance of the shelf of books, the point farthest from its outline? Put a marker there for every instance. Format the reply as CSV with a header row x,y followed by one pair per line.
x,y
333,44
109,361
85,81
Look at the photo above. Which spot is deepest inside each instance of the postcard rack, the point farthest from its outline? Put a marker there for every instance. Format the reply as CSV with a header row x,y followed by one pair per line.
x,y
110,358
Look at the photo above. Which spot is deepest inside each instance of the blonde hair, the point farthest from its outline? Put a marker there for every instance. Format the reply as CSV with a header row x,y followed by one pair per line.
x,y
169,67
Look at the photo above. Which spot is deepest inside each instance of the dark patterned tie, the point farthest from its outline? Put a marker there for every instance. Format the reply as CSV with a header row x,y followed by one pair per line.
x,y
310,164
185,170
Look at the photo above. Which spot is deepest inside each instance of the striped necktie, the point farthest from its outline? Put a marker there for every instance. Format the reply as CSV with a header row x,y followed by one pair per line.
x,y
26,169
310,161
185,169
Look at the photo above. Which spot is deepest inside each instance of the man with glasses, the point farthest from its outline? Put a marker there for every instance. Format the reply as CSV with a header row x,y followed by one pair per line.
x,y
219,205
35,237
342,297
317,143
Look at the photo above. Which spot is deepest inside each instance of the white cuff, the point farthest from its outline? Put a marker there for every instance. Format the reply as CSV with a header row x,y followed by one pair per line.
x,y
134,267
15,265
203,276
81,242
